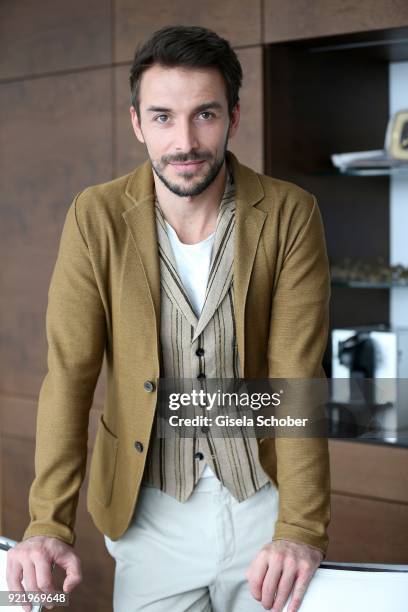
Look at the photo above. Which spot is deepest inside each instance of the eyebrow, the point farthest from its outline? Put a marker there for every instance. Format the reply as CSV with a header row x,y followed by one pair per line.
x,y
201,107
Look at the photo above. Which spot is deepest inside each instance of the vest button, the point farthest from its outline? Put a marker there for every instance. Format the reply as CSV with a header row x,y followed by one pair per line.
x,y
148,385
199,456
200,352
201,375
139,446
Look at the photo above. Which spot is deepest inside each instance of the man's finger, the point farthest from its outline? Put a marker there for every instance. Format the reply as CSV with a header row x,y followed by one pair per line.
x,y
255,575
72,566
14,577
30,578
270,584
43,574
285,586
299,590
30,581
44,577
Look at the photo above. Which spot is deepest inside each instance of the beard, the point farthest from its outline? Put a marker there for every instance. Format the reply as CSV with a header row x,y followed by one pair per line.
x,y
215,165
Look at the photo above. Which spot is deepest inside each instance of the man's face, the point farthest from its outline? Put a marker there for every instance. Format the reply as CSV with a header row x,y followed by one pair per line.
x,y
185,125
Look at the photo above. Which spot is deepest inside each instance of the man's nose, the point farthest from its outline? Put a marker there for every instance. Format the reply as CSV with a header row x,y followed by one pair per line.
x,y
186,139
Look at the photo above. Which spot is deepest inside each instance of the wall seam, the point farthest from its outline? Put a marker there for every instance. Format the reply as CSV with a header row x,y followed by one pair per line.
x,y
114,154
69,71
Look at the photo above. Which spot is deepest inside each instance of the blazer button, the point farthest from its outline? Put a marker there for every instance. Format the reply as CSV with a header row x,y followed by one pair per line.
x,y
200,352
139,446
199,456
148,385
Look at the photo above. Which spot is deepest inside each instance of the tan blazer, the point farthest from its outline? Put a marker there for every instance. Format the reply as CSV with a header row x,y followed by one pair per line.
x,y
104,295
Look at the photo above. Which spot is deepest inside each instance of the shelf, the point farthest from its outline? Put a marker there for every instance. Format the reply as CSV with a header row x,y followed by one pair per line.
x,y
355,284
395,171
391,171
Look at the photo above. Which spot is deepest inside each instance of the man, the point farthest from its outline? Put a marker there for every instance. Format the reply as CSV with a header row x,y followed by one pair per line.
x,y
193,524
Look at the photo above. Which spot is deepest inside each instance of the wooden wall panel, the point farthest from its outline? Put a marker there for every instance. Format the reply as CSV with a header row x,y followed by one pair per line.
x,y
39,37
17,473
369,470
96,588
369,484
55,141
18,418
237,20
248,142
295,19
367,531
129,152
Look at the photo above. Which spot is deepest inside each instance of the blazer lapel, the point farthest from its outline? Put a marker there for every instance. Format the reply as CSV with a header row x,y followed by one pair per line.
x,y
222,259
170,279
140,219
249,222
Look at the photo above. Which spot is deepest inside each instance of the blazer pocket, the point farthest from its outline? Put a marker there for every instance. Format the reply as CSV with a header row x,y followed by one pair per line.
x,y
103,464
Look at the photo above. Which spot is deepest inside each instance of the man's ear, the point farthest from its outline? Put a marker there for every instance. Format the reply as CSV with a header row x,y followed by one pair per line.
x,y
234,121
136,124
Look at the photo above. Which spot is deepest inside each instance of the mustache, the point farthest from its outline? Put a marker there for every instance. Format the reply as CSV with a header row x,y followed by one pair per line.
x,y
187,157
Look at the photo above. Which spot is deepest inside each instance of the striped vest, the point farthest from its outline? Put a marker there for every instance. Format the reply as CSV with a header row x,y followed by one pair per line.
x,y
173,464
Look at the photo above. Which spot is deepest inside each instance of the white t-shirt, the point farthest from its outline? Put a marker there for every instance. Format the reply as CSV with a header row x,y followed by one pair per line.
x,y
193,265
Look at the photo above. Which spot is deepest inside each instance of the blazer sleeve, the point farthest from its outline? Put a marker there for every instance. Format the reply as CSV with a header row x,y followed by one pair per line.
x,y
298,335
76,332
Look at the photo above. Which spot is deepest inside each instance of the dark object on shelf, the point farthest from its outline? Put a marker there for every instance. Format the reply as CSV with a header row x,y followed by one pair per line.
x,y
354,420
357,353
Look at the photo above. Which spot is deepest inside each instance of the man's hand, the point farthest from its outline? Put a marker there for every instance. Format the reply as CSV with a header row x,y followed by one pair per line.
x,y
277,568
31,559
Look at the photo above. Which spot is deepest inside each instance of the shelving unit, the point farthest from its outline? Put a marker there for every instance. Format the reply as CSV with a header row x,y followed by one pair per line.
x,y
331,95
325,96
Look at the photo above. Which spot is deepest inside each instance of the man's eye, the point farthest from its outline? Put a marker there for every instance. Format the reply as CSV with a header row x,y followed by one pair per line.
x,y
207,115
161,118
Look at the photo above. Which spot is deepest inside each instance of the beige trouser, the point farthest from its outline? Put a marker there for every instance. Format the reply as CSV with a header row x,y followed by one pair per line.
x,y
192,556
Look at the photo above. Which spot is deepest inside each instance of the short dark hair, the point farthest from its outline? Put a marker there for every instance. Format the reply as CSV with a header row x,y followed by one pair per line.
x,y
190,47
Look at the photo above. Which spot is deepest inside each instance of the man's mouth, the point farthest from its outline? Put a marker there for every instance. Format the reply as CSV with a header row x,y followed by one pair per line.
x,y
187,166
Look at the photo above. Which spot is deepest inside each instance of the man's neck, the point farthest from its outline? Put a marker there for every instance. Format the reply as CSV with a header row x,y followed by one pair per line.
x,y
193,218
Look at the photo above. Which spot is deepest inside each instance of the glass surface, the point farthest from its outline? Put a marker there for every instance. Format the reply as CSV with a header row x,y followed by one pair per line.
x,y
366,284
